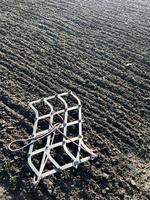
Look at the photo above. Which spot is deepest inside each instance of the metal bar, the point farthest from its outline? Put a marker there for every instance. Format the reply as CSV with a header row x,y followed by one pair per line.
x,y
53,171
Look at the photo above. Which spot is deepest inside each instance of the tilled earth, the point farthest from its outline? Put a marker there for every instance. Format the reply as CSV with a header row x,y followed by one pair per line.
x,y
101,51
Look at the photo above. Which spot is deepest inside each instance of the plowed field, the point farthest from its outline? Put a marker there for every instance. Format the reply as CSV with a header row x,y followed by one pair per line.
x,y
101,51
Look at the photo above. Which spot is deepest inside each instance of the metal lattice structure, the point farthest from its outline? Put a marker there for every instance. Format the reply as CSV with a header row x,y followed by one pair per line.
x,y
59,129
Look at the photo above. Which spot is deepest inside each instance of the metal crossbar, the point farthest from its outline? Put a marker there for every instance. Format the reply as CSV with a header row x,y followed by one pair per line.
x,y
57,129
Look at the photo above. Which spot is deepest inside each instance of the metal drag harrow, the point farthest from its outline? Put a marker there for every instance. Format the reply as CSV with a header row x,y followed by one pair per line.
x,y
63,130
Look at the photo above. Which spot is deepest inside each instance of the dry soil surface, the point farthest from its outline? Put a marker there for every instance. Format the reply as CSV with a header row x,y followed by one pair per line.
x,y
99,49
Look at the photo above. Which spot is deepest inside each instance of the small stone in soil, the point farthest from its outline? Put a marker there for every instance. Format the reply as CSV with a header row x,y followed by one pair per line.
x,y
132,182
2,191
104,175
103,191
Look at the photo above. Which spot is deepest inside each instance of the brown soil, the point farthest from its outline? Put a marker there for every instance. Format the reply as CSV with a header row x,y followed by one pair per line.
x,y
100,50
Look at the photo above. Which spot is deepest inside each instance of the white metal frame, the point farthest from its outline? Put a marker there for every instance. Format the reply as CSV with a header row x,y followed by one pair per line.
x,y
39,174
